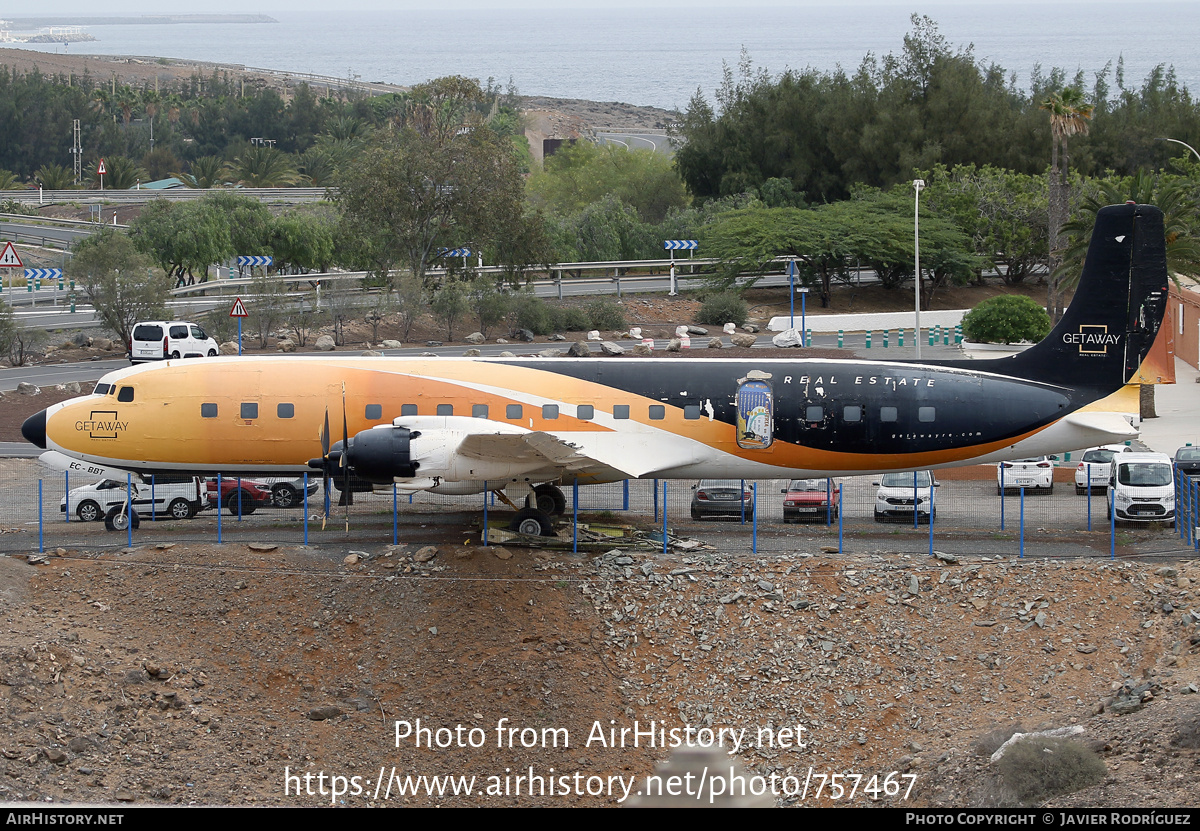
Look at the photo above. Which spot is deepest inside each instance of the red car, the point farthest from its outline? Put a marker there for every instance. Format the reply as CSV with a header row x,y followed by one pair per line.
x,y
253,494
810,499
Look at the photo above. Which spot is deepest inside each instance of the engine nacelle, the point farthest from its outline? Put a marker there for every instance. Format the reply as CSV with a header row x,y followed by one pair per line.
x,y
379,455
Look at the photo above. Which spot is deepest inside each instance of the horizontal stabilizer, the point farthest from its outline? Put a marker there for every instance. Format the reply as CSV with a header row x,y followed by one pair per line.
x,y
1102,428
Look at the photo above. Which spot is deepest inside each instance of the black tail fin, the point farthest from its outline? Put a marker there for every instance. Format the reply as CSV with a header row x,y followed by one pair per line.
x,y
1116,312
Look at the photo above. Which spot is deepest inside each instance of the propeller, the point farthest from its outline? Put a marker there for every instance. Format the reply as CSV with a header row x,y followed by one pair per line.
x,y
334,459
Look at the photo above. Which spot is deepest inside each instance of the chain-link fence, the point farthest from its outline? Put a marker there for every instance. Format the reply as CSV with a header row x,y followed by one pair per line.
x,y
964,510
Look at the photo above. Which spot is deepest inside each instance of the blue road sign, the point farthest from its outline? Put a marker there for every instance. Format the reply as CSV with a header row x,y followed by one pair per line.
x,y
680,244
43,274
454,252
253,261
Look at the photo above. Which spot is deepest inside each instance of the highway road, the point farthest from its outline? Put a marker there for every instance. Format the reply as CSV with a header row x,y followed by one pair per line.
x,y
658,142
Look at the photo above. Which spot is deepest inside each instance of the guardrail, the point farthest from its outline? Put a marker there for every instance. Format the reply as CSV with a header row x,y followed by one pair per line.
x,y
269,195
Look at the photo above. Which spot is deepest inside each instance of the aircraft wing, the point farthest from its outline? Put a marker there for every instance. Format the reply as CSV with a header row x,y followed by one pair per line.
x,y
596,457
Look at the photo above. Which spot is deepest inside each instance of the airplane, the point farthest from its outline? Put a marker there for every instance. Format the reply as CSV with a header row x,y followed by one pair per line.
x,y
523,426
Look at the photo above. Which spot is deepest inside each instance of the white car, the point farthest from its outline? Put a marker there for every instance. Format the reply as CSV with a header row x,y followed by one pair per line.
x,y
899,491
1036,472
157,340
1142,487
1095,466
174,496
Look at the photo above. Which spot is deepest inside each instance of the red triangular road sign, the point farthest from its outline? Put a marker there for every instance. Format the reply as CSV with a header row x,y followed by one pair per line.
x,y
100,169
238,309
9,257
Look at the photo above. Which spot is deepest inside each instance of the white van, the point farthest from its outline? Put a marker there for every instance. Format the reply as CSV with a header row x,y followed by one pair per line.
x,y
157,340
172,495
1142,487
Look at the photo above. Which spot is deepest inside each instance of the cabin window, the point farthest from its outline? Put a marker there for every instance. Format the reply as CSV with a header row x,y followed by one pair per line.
x,y
285,411
658,412
512,411
814,412
208,411
101,389
620,411
479,411
926,414
374,412
408,409
549,411
888,414
445,409
126,394
249,410
585,412
853,412
691,412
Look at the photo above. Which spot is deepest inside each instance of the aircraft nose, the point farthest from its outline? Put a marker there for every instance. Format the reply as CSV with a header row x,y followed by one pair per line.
x,y
34,429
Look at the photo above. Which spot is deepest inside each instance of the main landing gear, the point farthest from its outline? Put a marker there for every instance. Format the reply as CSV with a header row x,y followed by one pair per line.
x,y
541,506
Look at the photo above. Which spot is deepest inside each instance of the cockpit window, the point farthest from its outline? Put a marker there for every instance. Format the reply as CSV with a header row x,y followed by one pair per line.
x,y
126,394
101,389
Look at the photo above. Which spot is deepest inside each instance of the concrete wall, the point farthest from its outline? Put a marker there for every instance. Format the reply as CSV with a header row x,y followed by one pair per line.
x,y
869,322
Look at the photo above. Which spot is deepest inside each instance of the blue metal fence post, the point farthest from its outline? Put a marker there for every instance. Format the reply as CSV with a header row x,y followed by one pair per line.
x,y
485,515
306,508
1087,471
1001,496
742,499
656,500
67,494
754,517
916,513
1112,525
828,501
1021,545
575,517
664,513
128,508
624,494
219,507
396,512
932,507
239,492
839,521
153,516
41,539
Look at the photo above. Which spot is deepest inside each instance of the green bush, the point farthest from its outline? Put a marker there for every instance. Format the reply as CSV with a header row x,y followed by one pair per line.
x,y
606,314
571,319
532,313
1038,768
1009,318
726,307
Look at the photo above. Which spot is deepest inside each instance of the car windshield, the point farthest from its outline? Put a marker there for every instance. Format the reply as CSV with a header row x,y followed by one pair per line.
x,y
1144,474
1187,454
148,333
807,485
905,480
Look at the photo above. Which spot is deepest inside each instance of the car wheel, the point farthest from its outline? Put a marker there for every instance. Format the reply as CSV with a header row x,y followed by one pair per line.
x,y
878,517
695,515
284,495
1079,491
117,519
533,522
1051,488
89,511
212,353
231,503
175,354
180,509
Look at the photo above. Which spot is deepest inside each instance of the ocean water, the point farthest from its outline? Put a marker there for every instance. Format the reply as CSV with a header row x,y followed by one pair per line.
x,y
661,57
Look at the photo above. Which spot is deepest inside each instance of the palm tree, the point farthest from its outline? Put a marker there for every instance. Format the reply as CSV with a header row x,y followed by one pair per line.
x,y
264,167
55,177
1069,116
121,173
207,172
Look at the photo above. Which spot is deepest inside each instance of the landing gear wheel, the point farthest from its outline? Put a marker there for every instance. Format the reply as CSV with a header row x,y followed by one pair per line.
x,y
117,519
549,500
533,522
180,509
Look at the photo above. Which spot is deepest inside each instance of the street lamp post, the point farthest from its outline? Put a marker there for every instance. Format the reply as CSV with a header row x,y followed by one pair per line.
x,y
1184,143
918,186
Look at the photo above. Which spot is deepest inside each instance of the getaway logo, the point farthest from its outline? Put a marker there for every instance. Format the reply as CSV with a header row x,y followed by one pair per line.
x,y
103,424
1092,339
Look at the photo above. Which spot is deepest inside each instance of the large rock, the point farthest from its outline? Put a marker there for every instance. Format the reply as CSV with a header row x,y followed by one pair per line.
x,y
715,343
371,353
674,345
610,348
740,339
643,350
523,335
472,353
229,348
475,338
788,337
391,344
26,388
580,349
324,344
103,344
550,353
286,346
697,330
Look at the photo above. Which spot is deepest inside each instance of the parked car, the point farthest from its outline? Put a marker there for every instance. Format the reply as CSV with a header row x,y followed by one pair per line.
x,y
1095,466
157,340
899,491
253,494
289,493
1036,472
721,497
1142,487
810,499
1187,460
173,496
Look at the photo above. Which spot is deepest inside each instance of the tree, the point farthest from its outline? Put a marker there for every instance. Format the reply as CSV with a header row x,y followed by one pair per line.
x,y
55,177
267,308
121,173
1008,318
263,167
1069,115
184,238
444,180
119,281
449,305
8,328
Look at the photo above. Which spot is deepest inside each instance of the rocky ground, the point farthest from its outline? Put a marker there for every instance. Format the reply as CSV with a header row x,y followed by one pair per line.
x,y
209,674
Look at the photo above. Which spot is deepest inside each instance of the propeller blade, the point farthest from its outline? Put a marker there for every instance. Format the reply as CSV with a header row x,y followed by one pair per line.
x,y
346,491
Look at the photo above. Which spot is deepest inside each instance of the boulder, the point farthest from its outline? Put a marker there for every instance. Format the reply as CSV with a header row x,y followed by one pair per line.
x,y
475,338
751,328
580,349
229,348
610,348
103,344
745,340
324,344
26,388
472,353
286,346
391,344
550,353
371,353
788,337
507,354
523,335
674,345
715,343
642,350
697,330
